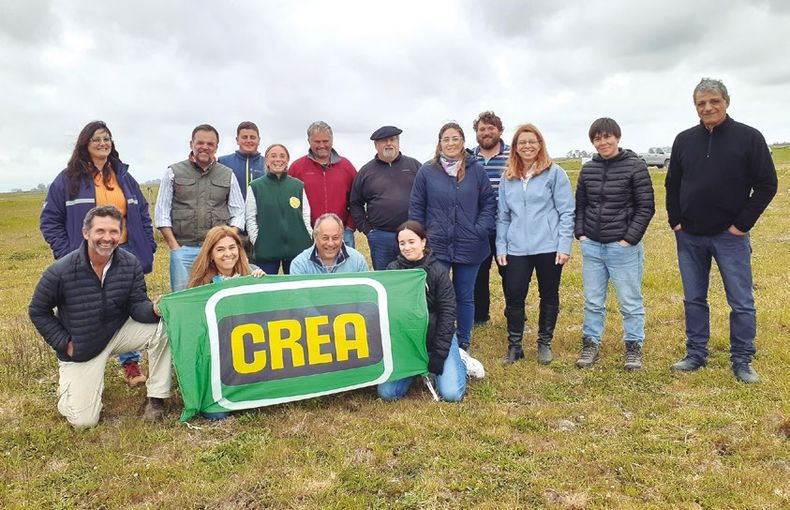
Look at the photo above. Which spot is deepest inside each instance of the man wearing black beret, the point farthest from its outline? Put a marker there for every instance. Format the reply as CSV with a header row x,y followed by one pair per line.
x,y
379,199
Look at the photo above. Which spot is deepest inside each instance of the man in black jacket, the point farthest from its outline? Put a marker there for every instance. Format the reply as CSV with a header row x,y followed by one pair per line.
x,y
720,179
379,199
92,304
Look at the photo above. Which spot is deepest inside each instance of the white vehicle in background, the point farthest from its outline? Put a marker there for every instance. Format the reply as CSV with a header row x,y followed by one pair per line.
x,y
656,156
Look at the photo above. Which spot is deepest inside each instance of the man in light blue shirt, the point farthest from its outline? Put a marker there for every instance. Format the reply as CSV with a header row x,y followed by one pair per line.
x,y
329,254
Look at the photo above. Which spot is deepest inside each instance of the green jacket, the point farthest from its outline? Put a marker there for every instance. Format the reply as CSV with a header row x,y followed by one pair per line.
x,y
282,234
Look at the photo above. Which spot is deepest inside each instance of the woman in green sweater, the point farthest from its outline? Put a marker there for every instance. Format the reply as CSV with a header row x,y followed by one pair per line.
x,y
278,214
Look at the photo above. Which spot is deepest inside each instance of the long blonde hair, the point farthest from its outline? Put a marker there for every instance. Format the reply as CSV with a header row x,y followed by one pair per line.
x,y
515,165
203,269
438,153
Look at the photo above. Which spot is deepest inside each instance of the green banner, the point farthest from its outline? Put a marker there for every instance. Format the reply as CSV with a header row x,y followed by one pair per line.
x,y
251,342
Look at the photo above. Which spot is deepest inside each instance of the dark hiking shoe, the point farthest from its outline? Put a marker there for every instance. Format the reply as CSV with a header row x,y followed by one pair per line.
x,y
687,364
514,353
154,410
590,353
633,356
745,373
545,355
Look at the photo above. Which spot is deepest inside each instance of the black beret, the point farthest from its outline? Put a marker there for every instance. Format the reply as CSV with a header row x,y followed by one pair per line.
x,y
385,132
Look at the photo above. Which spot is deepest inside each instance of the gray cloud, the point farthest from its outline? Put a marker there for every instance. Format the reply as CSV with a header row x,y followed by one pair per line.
x,y
153,70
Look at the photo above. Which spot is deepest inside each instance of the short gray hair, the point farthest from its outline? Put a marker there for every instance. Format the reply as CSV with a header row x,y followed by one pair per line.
x,y
713,87
326,216
102,211
318,126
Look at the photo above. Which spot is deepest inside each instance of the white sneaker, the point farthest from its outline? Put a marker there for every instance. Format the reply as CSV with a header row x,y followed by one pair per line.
x,y
474,368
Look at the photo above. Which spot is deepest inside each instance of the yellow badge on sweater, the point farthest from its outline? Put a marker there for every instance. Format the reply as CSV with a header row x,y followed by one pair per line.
x,y
295,202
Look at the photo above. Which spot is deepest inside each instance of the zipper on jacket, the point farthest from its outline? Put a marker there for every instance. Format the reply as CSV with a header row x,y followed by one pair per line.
x,y
710,141
602,199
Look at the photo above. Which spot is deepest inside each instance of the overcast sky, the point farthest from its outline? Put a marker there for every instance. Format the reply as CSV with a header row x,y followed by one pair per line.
x,y
154,69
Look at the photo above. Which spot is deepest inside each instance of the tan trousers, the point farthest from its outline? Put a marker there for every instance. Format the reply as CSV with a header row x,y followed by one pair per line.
x,y
82,383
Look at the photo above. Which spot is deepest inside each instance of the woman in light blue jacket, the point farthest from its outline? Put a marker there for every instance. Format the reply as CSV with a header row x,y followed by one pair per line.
x,y
534,233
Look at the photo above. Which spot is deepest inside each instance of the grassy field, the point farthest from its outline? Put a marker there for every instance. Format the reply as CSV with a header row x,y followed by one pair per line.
x,y
526,436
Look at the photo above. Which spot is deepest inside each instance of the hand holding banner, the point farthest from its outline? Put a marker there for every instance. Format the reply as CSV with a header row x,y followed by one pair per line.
x,y
252,342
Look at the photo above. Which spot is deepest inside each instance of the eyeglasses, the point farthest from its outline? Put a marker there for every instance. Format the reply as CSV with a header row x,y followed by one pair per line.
x,y
101,139
522,143
454,139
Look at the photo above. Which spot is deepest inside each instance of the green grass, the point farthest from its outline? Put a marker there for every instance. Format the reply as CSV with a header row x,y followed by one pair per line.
x,y
527,436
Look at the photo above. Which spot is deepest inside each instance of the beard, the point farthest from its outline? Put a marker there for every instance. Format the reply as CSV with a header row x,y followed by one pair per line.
x,y
488,143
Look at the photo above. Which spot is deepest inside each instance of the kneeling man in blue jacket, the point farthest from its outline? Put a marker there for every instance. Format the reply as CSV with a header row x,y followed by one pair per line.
x,y
92,304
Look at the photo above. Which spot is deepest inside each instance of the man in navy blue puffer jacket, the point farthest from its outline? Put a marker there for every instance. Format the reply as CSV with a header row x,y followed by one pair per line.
x,y
92,304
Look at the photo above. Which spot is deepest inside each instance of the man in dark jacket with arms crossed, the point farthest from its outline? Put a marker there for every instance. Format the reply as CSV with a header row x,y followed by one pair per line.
x,y
720,180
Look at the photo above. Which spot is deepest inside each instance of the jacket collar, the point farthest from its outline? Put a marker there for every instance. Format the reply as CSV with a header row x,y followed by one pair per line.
x,y
342,256
85,261
244,155
376,157
274,177
728,121
334,157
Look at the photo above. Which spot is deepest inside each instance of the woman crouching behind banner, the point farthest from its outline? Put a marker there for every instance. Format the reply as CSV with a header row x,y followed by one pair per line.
x,y
221,257
444,360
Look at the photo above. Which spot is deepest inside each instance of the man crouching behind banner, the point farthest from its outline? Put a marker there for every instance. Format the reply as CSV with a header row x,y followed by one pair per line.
x,y
222,256
102,310
329,254
444,360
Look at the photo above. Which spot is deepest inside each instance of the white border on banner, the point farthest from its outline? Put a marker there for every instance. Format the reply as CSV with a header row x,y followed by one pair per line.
x,y
213,334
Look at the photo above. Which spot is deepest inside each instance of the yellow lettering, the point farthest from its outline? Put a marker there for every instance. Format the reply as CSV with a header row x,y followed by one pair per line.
x,y
240,364
315,340
360,342
278,342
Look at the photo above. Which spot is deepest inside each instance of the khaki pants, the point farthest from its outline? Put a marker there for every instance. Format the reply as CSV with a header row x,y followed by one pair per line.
x,y
82,383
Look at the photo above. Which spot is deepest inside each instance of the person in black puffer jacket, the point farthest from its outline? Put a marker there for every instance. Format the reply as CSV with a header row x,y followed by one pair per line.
x,y
444,360
92,304
614,205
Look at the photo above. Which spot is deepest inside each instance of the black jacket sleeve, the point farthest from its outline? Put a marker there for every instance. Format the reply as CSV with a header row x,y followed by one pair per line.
x,y
672,185
764,184
444,299
581,205
141,308
644,203
42,312
356,204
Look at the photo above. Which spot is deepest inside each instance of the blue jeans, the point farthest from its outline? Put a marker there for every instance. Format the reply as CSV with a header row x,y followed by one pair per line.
x,y
451,384
348,237
273,266
383,248
133,356
464,276
624,266
180,264
733,256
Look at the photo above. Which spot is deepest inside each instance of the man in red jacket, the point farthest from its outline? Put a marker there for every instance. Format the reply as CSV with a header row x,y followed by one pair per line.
x,y
327,178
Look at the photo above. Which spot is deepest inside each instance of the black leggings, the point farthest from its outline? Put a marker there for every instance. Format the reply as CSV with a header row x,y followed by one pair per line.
x,y
519,272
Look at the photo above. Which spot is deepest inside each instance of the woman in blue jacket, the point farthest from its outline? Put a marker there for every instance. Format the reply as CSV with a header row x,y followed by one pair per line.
x,y
95,175
534,232
452,196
